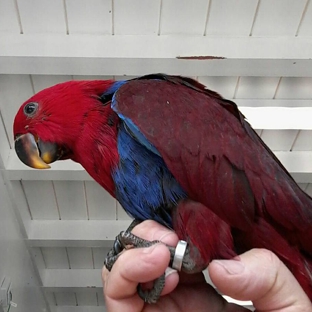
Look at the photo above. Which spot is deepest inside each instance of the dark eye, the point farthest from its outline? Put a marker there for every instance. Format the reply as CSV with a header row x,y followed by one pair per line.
x,y
30,109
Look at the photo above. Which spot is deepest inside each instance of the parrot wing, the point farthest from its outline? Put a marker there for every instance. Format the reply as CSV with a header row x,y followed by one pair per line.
x,y
214,154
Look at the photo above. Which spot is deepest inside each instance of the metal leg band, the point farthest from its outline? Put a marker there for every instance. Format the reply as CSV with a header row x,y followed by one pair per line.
x,y
178,255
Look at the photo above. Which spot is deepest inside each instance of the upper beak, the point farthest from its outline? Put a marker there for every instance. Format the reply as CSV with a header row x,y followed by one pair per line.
x,y
36,153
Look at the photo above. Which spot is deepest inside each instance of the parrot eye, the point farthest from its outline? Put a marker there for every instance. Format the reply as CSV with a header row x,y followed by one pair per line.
x,y
30,109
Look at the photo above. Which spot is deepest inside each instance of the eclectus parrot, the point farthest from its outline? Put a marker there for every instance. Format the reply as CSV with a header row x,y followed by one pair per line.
x,y
170,150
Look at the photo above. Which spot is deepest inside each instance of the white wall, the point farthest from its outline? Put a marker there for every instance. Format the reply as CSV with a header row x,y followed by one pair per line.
x,y
15,260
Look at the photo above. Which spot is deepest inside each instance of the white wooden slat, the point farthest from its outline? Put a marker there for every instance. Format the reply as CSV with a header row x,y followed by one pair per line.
x,y
303,186
121,214
223,85
227,17
308,189
4,142
65,298
86,298
248,56
44,81
50,298
136,17
14,89
55,257
306,25
279,141
273,103
257,87
20,201
41,200
72,278
303,141
100,204
8,17
78,309
37,257
100,298
278,17
278,118
89,16
47,17
80,258
99,233
183,17
70,196
99,254
92,77
295,88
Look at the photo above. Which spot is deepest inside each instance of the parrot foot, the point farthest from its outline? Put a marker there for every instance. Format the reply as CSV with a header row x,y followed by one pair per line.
x,y
127,240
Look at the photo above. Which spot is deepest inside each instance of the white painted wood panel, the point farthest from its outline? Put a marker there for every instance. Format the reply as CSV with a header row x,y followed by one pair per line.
x,y
295,88
41,200
20,201
14,89
44,81
42,16
256,87
279,140
303,186
278,17
50,296
92,77
303,141
308,189
80,258
136,17
183,17
65,298
223,85
89,16
100,204
100,298
228,18
99,254
70,196
8,17
121,214
86,298
55,257
4,143
306,25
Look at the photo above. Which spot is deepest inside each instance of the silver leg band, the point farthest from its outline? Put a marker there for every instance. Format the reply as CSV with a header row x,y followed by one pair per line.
x,y
179,255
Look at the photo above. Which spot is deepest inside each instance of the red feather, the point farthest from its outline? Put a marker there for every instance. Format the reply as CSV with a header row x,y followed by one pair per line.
x,y
222,164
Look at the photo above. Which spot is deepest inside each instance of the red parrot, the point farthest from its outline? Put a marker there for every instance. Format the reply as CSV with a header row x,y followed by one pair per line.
x,y
173,151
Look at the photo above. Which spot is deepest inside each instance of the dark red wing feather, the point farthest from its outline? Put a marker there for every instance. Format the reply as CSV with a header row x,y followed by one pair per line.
x,y
216,157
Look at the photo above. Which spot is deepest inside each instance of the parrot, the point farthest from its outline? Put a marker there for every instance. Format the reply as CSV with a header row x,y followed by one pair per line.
x,y
171,150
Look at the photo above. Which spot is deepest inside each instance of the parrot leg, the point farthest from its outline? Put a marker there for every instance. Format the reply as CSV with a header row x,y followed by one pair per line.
x,y
127,240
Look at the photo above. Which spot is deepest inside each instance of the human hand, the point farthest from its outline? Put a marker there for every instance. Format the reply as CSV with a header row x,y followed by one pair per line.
x,y
256,275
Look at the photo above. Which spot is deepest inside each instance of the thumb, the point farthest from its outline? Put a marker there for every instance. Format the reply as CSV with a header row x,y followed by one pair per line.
x,y
258,275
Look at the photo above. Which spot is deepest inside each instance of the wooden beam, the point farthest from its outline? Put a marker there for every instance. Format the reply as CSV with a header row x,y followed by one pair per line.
x,y
78,233
137,55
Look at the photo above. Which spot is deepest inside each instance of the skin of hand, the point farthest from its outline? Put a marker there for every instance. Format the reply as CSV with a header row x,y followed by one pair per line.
x,y
257,275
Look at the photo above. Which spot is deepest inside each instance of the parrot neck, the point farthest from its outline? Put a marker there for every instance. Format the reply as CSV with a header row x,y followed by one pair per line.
x,y
96,147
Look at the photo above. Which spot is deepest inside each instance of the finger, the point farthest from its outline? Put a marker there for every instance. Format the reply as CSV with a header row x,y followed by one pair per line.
x,y
258,275
152,230
135,266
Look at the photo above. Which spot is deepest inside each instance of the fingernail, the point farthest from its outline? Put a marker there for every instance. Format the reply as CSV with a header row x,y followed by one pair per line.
x,y
150,249
232,266
169,271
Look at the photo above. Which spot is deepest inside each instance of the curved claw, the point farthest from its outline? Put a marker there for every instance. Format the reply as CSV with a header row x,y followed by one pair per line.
x,y
152,295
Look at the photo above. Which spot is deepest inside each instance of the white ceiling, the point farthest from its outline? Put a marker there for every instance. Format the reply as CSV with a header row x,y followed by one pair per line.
x,y
256,52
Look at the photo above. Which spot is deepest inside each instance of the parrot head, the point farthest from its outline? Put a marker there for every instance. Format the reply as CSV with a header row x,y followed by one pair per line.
x,y
48,125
